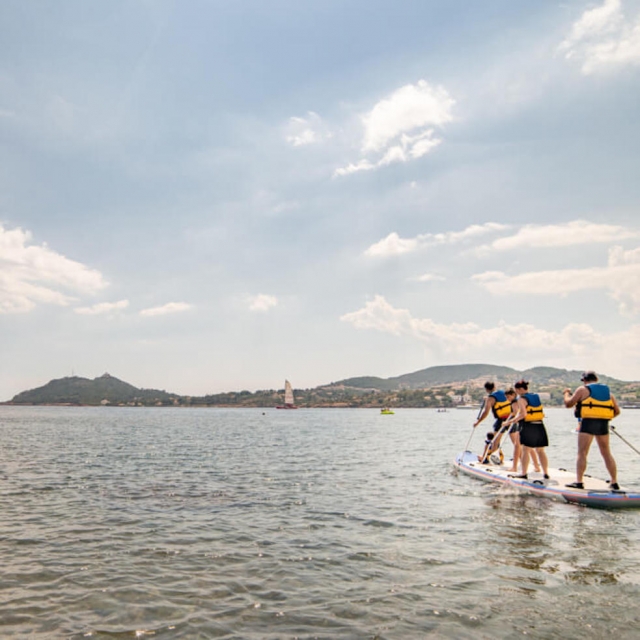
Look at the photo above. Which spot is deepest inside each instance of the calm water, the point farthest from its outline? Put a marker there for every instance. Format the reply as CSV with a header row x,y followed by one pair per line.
x,y
178,523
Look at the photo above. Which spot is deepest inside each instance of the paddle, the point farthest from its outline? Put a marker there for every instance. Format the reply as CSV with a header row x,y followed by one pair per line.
x,y
501,432
473,430
623,439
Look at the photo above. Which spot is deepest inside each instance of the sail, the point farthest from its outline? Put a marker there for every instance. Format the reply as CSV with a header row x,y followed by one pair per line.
x,y
288,392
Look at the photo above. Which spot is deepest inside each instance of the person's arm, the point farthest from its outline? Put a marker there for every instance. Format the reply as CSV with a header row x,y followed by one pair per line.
x,y
488,403
521,409
616,407
510,419
516,415
581,393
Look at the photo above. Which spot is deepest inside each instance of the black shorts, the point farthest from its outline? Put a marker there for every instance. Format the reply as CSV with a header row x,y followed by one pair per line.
x,y
594,426
497,425
534,435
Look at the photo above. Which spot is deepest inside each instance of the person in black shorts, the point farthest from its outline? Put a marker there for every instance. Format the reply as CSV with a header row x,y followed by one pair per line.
x,y
594,406
533,434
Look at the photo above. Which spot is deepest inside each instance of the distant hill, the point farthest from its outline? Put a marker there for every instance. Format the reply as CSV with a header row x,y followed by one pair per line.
x,y
431,387
76,390
465,374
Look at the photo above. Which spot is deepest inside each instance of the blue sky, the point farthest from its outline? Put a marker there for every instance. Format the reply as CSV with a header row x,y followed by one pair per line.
x,y
213,196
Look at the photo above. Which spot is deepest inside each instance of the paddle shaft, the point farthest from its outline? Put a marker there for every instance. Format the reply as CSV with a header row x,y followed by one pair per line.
x,y
473,430
624,439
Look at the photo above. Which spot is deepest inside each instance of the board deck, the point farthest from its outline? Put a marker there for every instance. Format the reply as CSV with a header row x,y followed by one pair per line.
x,y
596,492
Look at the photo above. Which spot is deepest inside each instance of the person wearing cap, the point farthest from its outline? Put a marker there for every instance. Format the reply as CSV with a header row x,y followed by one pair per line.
x,y
533,435
595,406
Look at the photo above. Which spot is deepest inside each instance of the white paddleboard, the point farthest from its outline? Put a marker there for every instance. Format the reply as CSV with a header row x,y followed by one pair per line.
x,y
596,492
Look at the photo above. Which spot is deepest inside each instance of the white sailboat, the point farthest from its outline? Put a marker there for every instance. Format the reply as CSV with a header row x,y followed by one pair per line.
x,y
289,402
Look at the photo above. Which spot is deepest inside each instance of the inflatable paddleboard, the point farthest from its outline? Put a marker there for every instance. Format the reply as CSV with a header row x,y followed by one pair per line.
x,y
596,492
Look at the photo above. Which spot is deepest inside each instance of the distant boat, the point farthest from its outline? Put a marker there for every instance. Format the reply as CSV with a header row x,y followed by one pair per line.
x,y
288,397
386,412
468,406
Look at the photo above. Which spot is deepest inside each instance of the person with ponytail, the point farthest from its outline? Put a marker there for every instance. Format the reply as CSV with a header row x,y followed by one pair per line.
x,y
533,435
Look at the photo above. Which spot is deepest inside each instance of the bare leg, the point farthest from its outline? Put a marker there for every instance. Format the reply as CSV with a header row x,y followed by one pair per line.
x,y
525,459
495,443
605,452
535,460
584,444
515,439
542,457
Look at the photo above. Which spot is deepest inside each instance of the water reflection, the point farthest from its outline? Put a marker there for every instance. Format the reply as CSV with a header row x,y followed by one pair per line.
x,y
519,531
598,550
582,546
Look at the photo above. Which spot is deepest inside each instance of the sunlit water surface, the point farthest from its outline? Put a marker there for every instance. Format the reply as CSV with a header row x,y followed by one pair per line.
x,y
213,523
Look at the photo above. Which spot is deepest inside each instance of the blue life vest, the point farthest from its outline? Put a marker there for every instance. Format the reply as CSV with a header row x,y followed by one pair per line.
x,y
535,412
599,403
501,407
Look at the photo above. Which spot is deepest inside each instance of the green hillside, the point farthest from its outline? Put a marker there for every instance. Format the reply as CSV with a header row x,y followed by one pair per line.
x,y
76,390
462,374
452,374
432,387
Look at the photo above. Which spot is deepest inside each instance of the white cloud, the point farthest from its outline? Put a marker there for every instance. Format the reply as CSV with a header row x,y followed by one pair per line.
x,y
429,277
408,109
304,131
575,343
170,307
361,165
262,302
559,282
393,244
620,278
102,307
399,128
32,275
603,38
576,232
595,23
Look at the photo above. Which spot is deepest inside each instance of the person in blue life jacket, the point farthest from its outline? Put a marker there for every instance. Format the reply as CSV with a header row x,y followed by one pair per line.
x,y
533,434
595,406
497,403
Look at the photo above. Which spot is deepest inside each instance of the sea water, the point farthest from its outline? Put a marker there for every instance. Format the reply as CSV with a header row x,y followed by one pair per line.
x,y
325,523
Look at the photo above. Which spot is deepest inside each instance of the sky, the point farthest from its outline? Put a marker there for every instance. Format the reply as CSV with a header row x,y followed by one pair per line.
x,y
216,195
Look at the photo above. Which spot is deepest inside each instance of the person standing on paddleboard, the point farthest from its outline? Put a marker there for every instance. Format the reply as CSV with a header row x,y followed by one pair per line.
x,y
533,435
497,403
595,407
513,424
